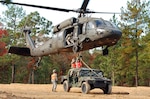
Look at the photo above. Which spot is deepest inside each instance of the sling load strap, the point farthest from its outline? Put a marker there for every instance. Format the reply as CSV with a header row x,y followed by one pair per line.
x,y
88,67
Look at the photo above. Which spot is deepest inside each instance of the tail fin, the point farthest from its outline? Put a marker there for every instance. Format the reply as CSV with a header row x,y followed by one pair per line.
x,y
29,41
24,51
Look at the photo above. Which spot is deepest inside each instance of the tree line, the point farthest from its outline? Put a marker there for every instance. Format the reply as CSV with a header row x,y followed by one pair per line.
x,y
127,63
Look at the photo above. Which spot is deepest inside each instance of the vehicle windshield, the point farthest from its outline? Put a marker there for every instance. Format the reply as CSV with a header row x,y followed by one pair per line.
x,y
93,73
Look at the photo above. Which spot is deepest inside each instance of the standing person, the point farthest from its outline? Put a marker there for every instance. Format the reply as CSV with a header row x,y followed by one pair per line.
x,y
54,80
73,63
78,63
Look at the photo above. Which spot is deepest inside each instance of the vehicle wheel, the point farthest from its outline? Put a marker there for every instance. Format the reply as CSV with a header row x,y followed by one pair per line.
x,y
76,48
66,86
85,88
108,89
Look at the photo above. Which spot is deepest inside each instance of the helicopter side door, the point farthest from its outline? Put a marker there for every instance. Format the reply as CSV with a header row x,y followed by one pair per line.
x,y
92,27
68,36
90,30
79,33
60,39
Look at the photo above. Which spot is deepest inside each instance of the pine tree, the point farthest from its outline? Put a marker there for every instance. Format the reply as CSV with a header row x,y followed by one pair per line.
x,y
133,25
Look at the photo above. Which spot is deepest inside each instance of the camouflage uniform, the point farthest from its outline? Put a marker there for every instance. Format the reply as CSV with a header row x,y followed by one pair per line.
x,y
54,80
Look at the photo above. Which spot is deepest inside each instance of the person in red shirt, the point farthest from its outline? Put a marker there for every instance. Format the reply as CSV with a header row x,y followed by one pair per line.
x,y
73,63
78,63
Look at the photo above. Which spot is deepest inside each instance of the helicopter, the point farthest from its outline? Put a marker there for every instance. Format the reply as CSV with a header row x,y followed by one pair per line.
x,y
72,35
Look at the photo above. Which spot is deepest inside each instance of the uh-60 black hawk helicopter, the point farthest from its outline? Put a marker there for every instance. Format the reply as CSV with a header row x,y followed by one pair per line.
x,y
72,35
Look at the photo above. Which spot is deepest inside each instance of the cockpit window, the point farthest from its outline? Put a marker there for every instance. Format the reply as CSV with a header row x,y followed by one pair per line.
x,y
98,23
110,24
114,25
94,23
90,25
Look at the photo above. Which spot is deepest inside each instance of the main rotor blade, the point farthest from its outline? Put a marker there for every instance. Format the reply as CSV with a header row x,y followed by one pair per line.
x,y
103,12
82,9
84,5
38,6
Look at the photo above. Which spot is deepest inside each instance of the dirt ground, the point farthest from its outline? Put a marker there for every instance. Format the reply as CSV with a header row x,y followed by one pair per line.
x,y
43,91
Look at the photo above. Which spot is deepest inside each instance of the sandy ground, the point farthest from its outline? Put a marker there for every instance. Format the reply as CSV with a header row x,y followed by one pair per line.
x,y
43,91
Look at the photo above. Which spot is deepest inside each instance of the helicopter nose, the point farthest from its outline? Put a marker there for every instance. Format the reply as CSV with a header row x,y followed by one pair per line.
x,y
114,36
109,33
100,31
116,33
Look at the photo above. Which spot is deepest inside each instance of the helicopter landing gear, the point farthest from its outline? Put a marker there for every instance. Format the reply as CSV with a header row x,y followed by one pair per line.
x,y
105,51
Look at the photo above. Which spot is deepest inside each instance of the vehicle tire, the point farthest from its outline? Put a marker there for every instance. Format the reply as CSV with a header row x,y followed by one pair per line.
x,y
85,87
76,48
66,86
108,89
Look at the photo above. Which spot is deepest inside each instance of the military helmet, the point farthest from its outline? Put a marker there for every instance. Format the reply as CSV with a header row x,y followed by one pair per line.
x,y
54,70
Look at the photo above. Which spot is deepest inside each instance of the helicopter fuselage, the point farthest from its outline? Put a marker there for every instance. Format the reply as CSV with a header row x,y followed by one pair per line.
x,y
87,33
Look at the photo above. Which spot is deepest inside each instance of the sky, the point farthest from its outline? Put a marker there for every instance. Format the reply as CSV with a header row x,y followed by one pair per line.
x,y
56,16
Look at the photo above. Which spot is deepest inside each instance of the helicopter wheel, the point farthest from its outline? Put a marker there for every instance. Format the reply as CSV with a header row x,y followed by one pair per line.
x,y
87,39
105,51
76,48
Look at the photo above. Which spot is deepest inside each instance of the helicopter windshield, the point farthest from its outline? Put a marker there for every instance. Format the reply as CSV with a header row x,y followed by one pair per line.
x,y
98,23
94,23
110,24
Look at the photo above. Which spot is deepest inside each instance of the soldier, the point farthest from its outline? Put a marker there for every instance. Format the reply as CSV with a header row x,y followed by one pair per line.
x,y
69,38
54,80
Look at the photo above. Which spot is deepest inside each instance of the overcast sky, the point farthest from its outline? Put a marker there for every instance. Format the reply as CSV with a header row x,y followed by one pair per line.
x,y
56,16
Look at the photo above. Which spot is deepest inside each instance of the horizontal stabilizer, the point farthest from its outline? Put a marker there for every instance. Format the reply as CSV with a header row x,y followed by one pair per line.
x,y
24,51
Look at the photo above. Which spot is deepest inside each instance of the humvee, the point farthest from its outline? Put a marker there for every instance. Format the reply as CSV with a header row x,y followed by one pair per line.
x,y
86,79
